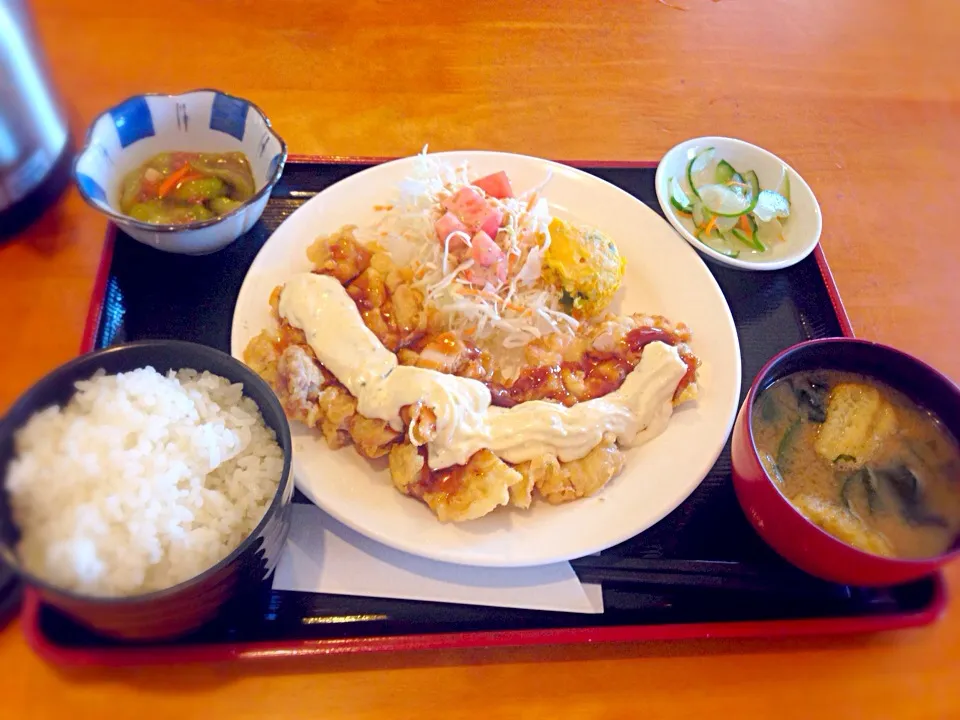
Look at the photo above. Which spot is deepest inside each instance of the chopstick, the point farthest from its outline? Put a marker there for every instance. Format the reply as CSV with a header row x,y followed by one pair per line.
x,y
703,574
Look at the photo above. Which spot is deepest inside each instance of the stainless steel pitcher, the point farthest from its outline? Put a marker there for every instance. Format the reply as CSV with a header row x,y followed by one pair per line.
x,y
33,129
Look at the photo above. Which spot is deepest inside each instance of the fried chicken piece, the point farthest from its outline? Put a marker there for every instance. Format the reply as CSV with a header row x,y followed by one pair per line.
x,y
559,482
570,369
337,406
299,381
368,290
395,314
449,353
373,318
443,353
393,276
521,494
686,393
574,380
408,314
406,356
311,395
339,255
468,492
407,467
421,422
261,355
290,335
274,302
458,493
372,437
383,263
551,350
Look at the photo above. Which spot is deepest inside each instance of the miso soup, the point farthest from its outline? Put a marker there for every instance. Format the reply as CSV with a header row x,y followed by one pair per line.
x,y
862,461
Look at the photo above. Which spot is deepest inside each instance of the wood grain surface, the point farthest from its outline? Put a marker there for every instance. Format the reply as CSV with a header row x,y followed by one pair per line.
x,y
861,97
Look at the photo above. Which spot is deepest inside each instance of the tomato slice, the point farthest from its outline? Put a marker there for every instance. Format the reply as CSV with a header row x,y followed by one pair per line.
x,y
490,261
447,224
473,211
492,223
496,185
484,250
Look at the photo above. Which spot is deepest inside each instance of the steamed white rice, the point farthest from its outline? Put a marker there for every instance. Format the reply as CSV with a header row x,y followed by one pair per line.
x,y
141,481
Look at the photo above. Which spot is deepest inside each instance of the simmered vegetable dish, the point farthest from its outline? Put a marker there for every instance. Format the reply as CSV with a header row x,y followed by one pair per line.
x,y
862,461
183,187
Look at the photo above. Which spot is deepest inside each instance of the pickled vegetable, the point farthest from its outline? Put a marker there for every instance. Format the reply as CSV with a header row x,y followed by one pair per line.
x,y
729,211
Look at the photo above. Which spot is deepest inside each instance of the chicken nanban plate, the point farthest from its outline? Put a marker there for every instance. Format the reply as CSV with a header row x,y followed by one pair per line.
x,y
467,336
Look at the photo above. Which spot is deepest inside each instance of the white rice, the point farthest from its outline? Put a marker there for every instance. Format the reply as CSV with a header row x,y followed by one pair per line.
x,y
141,481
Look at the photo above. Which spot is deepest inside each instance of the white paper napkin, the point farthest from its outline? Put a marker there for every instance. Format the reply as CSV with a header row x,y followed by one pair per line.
x,y
324,556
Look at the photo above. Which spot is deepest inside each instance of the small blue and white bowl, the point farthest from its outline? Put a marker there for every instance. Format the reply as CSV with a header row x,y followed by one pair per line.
x,y
127,135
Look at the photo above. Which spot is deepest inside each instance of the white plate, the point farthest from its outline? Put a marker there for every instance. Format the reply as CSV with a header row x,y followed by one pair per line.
x,y
801,232
663,275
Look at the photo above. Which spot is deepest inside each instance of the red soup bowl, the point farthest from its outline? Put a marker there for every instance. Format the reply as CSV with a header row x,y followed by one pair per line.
x,y
780,524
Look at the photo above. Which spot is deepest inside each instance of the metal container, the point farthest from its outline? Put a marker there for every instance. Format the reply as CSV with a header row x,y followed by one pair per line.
x,y
34,140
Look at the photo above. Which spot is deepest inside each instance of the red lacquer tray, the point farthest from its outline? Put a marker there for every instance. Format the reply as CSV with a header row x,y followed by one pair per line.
x,y
701,572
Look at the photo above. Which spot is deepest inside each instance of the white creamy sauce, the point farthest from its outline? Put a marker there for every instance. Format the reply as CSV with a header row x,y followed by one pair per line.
x,y
466,420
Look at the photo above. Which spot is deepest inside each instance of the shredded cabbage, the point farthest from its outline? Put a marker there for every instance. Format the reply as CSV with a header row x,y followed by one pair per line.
x,y
508,314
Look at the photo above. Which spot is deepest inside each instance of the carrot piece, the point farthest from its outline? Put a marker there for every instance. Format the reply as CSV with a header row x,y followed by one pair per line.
x,y
478,293
172,180
742,223
709,226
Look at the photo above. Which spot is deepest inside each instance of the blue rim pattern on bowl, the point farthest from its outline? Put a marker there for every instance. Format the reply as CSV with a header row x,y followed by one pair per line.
x,y
133,121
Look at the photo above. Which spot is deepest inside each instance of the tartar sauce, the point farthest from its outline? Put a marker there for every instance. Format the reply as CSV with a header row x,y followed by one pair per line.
x,y
466,420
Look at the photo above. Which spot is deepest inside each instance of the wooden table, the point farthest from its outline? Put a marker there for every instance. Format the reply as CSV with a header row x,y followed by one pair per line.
x,y
862,97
